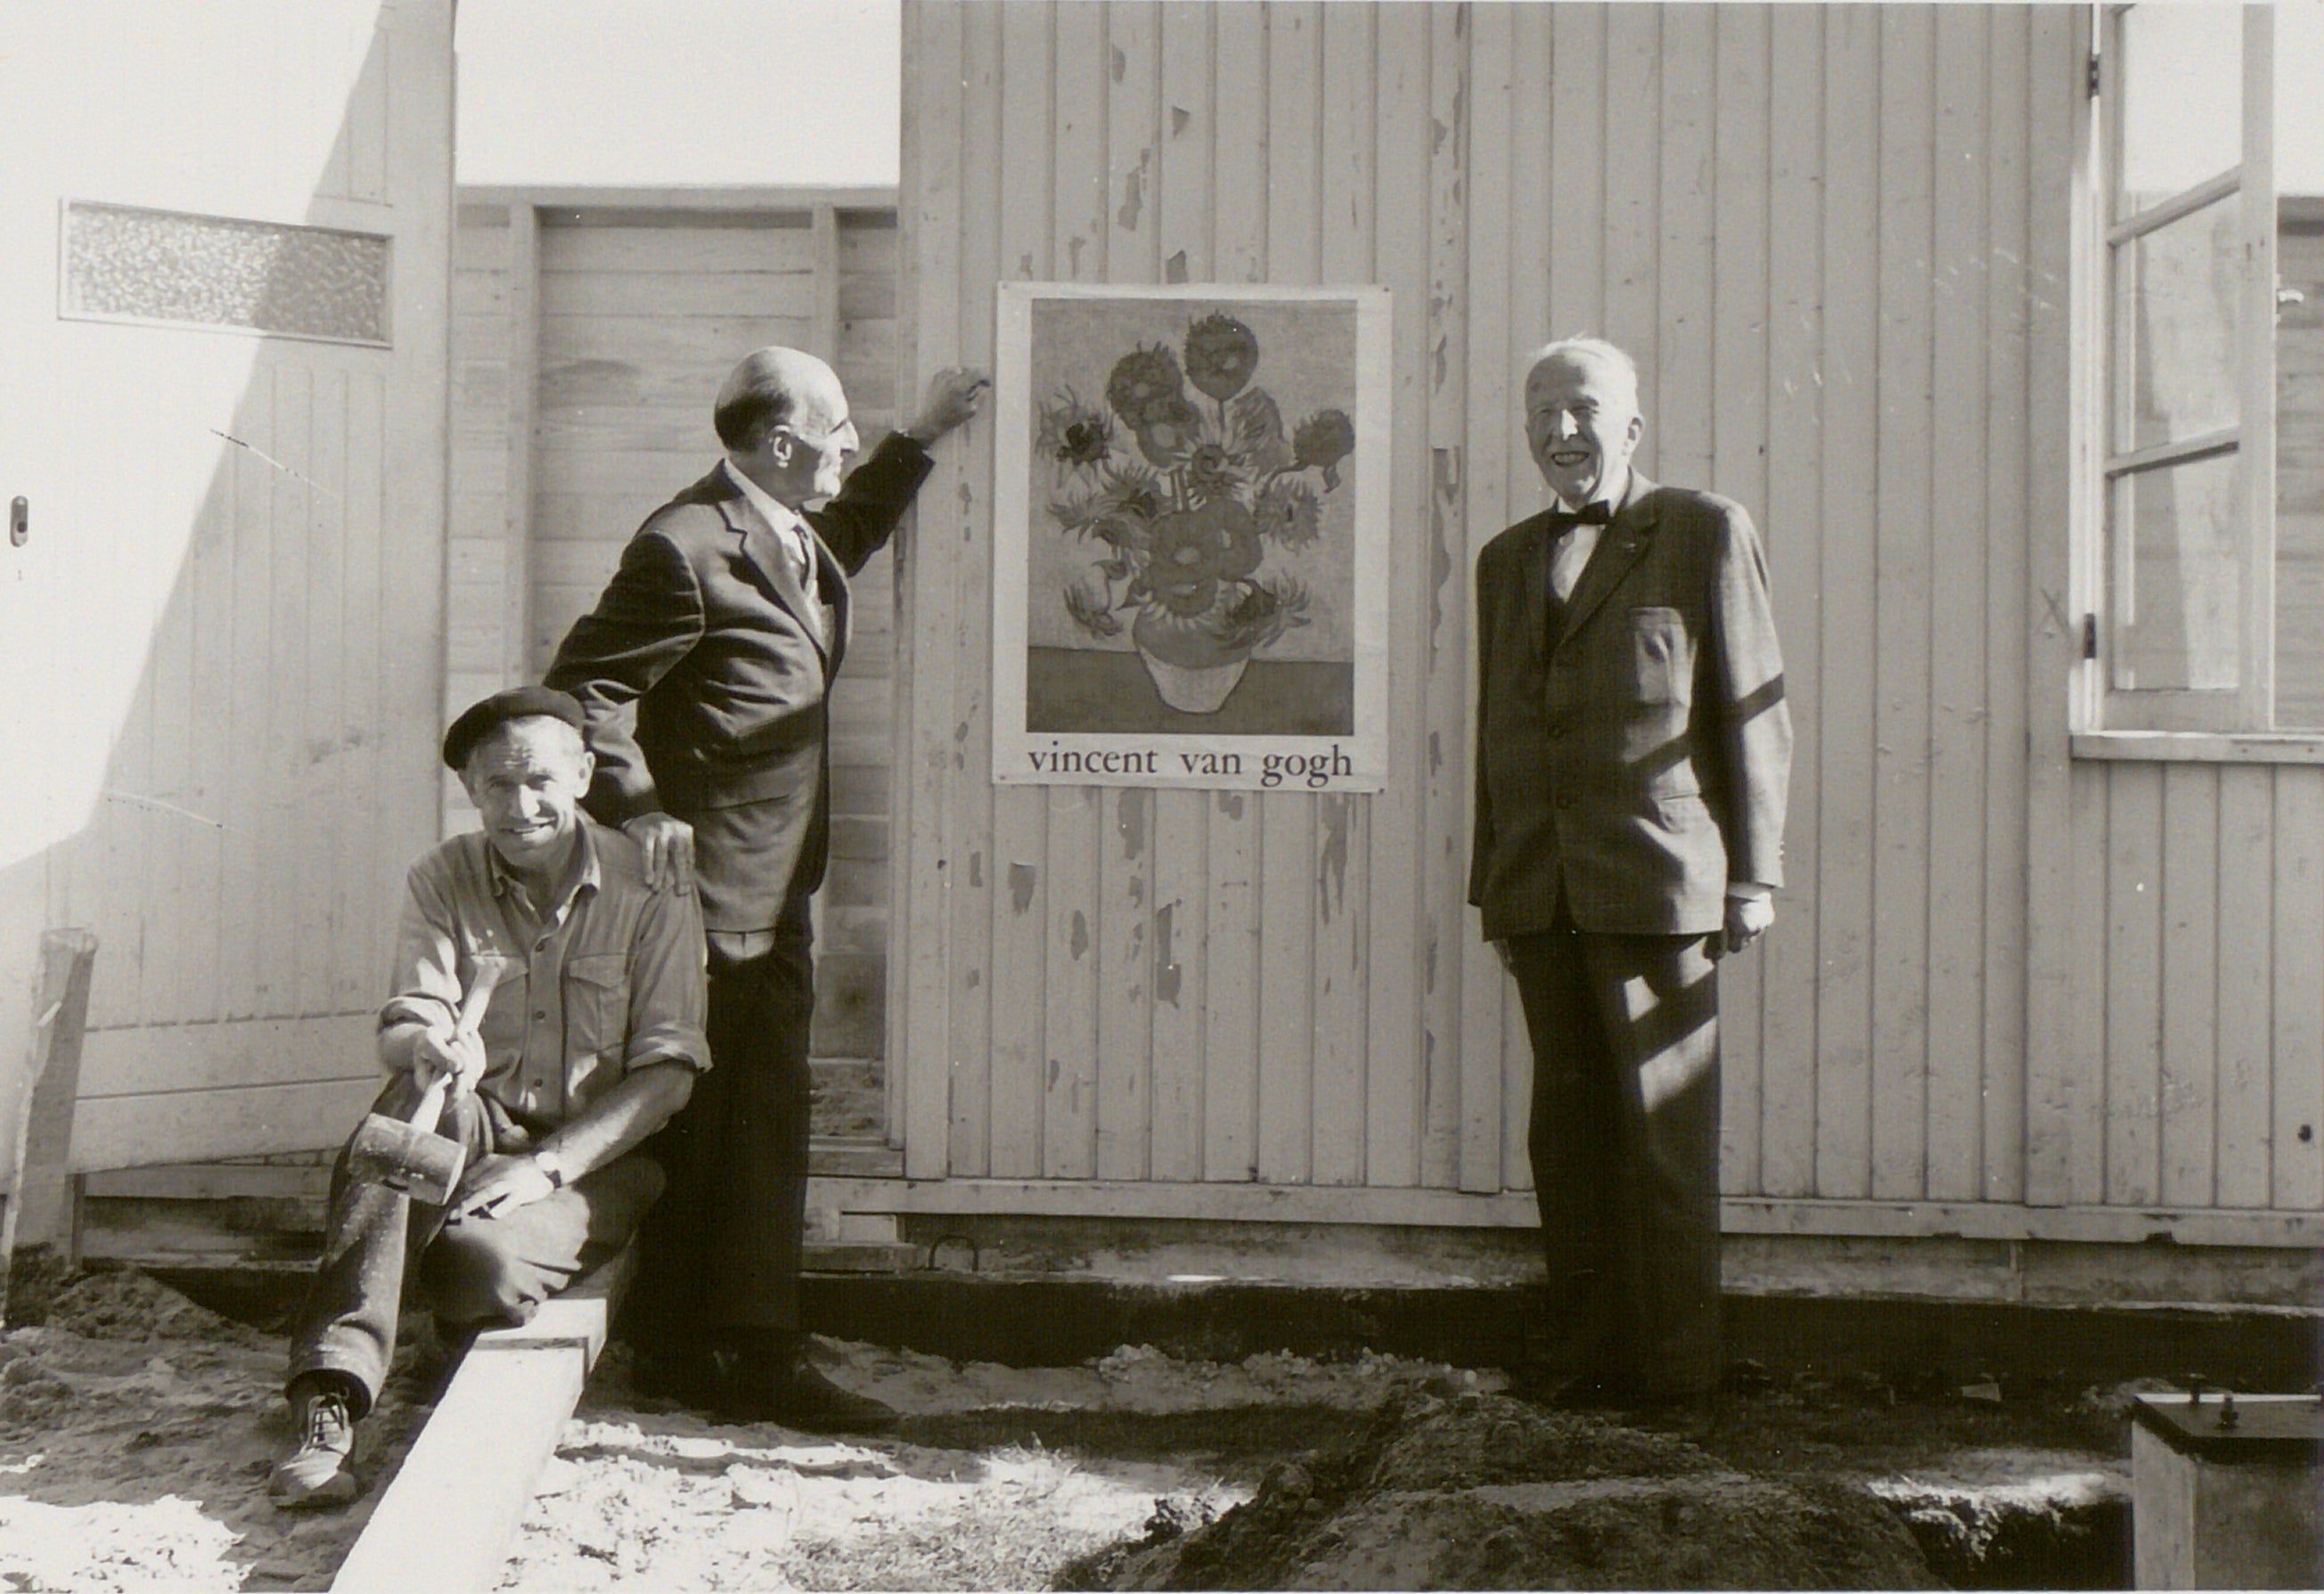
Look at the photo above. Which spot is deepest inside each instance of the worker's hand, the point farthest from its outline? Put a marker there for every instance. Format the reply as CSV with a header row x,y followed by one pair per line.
x,y
1747,918
956,394
460,1055
497,1185
668,845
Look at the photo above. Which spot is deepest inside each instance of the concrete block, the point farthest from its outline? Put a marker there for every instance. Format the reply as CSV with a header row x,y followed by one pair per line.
x,y
2226,1491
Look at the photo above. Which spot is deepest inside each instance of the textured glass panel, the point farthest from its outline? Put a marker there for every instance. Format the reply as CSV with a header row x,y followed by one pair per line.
x,y
2178,620
207,271
2181,99
2181,366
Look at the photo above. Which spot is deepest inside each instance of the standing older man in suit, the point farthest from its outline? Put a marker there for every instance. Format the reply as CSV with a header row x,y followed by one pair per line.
x,y
1633,753
704,675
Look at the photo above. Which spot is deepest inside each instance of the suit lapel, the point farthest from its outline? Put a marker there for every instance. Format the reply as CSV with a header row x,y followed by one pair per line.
x,y
1535,585
1623,545
761,547
831,579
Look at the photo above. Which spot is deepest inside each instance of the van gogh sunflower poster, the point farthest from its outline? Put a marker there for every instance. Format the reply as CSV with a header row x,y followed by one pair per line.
x,y
1191,537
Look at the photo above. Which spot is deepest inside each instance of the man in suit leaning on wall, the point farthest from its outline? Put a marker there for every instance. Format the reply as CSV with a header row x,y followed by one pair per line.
x,y
1633,753
704,675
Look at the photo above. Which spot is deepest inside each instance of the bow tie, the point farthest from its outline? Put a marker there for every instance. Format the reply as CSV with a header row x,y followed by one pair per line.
x,y
1561,520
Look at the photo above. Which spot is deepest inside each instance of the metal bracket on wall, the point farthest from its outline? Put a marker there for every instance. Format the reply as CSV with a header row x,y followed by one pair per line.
x,y
20,522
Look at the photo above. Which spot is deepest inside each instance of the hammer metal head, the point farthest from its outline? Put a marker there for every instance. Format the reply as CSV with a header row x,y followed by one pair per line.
x,y
390,1152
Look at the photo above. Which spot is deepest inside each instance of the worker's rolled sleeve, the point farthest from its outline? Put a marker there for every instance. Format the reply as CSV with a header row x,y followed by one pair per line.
x,y
667,990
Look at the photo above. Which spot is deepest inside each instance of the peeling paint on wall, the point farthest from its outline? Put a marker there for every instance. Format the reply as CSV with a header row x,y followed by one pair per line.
x,y
1133,194
1130,820
1165,982
1332,871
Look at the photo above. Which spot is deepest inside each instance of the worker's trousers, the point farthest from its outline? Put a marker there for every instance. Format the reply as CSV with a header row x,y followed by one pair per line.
x,y
474,1272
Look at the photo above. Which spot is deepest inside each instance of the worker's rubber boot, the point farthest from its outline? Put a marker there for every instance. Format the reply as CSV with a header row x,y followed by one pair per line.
x,y
320,1472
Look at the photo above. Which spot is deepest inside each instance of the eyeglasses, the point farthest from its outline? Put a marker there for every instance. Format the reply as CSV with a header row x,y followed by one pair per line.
x,y
843,434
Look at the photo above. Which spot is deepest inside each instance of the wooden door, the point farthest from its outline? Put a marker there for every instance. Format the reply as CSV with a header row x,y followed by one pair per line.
x,y
223,270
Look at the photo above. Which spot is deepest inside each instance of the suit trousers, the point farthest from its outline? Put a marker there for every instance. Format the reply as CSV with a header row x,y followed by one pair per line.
x,y
1625,1148
722,1250
479,1272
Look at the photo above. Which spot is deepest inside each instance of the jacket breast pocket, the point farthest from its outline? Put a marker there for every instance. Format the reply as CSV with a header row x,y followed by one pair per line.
x,y
1662,656
596,1005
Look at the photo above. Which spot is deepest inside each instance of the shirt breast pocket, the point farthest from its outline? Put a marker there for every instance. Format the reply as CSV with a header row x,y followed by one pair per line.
x,y
596,1005
1662,656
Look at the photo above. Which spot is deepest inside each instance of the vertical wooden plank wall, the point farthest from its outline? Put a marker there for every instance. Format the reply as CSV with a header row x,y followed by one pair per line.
x,y
273,776
1837,240
590,334
2208,883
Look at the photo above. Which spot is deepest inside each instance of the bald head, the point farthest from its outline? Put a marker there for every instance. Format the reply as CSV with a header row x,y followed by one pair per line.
x,y
768,388
783,418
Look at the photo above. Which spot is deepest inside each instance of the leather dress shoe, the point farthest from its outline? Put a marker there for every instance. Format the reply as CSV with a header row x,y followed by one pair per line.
x,y
757,1389
688,1377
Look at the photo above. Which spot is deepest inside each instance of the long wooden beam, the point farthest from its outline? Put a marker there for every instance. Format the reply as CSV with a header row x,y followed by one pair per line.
x,y
446,1522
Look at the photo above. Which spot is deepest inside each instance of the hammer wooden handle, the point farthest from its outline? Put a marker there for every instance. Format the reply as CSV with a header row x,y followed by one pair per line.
x,y
473,1002
430,1111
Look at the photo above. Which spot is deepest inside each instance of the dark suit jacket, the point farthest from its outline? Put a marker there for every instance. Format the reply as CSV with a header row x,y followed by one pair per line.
x,y
1640,758
703,675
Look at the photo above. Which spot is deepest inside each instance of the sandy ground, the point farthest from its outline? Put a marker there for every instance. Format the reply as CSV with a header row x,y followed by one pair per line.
x,y
968,1496
136,1429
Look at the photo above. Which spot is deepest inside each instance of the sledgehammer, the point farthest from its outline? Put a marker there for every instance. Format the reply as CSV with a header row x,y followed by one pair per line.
x,y
412,1158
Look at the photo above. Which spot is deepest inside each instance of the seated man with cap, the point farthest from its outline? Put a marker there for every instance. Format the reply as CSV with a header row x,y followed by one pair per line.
x,y
589,1040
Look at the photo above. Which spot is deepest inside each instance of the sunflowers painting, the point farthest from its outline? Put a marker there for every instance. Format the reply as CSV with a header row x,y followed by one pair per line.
x,y
1182,479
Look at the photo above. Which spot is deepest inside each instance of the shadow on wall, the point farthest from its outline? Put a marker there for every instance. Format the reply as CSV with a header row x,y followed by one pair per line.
x,y
240,759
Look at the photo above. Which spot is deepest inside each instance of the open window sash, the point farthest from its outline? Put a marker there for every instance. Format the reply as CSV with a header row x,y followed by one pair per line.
x,y
2187,614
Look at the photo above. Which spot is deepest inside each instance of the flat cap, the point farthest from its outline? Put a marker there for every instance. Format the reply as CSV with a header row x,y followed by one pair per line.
x,y
518,702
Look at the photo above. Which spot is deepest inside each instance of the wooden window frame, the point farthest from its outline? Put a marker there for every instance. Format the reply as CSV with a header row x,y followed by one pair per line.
x,y
2234,724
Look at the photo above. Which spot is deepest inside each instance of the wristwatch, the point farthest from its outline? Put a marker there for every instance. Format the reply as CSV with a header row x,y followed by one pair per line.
x,y
545,1161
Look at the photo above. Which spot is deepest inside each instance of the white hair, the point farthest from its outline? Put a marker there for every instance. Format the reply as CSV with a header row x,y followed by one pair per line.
x,y
1586,348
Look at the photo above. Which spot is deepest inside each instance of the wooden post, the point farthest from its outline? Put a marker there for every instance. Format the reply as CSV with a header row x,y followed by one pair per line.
x,y
38,1151
445,1524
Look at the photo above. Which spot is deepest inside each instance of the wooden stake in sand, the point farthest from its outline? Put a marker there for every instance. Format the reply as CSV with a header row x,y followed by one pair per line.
x,y
446,1522
36,1150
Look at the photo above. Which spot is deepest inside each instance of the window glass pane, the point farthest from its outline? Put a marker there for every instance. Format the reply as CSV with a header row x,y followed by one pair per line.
x,y
2181,366
2181,99
2177,621
2299,369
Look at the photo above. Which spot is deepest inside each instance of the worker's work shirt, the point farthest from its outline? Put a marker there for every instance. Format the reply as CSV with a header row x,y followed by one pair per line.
x,y
604,980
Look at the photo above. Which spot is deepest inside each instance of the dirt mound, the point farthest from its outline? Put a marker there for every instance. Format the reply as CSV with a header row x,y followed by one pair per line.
x,y
127,1304
1481,1491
